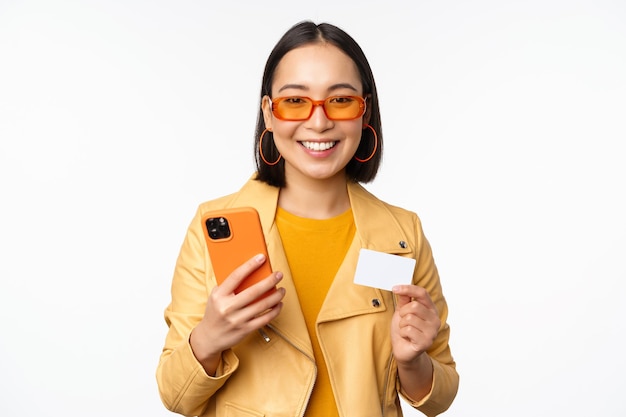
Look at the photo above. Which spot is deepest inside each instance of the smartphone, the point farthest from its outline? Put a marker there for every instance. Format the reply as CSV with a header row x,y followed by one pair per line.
x,y
233,236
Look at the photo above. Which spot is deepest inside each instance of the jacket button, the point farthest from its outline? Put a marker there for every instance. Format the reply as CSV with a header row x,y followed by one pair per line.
x,y
402,244
376,302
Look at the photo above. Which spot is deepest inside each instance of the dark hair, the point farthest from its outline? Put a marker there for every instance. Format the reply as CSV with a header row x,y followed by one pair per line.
x,y
301,34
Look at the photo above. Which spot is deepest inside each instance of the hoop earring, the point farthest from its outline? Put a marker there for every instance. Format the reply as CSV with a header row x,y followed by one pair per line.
x,y
261,150
375,146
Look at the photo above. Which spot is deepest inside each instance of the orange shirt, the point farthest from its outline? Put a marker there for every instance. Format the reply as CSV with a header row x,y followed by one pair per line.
x,y
315,249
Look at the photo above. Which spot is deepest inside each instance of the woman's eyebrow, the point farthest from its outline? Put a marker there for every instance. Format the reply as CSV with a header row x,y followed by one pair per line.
x,y
341,86
293,86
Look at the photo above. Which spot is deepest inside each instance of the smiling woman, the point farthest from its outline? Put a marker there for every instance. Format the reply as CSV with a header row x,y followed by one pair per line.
x,y
319,136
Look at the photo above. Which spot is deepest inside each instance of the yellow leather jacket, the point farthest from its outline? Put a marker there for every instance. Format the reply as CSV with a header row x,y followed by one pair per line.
x,y
272,372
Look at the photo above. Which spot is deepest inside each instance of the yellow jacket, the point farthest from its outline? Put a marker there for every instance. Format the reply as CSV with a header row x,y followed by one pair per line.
x,y
272,373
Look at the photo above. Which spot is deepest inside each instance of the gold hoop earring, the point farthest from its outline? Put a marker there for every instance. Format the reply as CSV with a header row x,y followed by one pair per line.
x,y
261,150
375,146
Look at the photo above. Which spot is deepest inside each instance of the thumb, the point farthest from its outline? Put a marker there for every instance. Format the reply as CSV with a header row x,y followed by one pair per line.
x,y
401,298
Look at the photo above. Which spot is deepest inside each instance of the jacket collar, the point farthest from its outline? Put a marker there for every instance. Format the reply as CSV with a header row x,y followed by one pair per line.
x,y
377,228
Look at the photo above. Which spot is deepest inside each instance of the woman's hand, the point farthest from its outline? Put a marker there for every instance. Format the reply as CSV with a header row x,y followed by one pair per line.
x,y
415,323
230,317
414,327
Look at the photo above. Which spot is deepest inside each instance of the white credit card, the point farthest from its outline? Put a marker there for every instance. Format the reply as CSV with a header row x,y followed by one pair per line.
x,y
383,270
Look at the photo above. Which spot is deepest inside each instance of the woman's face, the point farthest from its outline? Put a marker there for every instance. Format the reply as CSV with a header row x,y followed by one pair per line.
x,y
317,148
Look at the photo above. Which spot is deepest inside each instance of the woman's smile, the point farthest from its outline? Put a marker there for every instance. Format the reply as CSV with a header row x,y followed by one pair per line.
x,y
318,146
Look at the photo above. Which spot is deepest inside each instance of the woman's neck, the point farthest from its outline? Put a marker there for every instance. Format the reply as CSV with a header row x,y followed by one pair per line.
x,y
315,199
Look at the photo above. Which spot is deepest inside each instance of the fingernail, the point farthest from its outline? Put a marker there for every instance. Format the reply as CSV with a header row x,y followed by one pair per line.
x,y
279,275
260,258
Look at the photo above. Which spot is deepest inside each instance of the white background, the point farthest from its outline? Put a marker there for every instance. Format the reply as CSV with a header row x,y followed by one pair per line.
x,y
504,124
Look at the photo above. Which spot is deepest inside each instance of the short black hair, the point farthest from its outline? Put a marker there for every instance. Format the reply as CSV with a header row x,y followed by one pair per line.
x,y
305,33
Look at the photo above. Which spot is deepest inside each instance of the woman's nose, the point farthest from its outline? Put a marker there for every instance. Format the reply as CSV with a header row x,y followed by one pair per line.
x,y
318,119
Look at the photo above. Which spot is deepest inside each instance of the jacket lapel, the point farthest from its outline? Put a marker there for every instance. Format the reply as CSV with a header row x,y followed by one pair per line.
x,y
377,228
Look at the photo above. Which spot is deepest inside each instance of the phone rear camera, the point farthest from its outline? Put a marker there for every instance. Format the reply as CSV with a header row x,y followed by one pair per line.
x,y
218,228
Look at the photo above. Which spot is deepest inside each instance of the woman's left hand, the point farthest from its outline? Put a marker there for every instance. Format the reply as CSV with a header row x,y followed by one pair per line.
x,y
415,323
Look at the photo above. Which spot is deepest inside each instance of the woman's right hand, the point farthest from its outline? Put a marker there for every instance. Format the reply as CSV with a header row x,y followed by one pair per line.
x,y
230,317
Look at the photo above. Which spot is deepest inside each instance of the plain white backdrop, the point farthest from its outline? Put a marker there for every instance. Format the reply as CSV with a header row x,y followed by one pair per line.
x,y
504,124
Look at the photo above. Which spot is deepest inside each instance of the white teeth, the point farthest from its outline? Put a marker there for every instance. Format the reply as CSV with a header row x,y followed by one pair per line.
x,y
318,146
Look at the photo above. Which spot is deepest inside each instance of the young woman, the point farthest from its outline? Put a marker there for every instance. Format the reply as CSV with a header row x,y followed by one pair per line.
x,y
321,345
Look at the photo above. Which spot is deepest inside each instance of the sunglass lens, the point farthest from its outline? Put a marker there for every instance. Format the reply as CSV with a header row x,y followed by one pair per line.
x,y
294,108
342,108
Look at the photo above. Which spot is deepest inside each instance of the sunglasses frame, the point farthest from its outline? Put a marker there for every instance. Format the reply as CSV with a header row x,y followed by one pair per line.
x,y
274,102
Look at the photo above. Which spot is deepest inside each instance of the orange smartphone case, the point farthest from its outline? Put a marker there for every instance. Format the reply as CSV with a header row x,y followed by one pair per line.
x,y
245,239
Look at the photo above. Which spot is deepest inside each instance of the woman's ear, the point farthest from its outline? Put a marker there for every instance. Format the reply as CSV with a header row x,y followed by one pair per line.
x,y
267,111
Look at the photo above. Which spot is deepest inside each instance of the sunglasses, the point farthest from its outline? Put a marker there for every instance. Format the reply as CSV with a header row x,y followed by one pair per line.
x,y
296,108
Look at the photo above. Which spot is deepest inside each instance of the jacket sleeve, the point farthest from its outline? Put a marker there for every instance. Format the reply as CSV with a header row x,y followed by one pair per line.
x,y
184,386
445,377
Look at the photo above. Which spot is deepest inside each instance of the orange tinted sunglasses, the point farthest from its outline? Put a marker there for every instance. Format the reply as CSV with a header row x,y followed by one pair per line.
x,y
298,108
